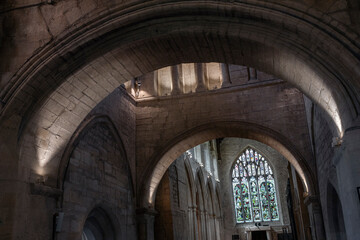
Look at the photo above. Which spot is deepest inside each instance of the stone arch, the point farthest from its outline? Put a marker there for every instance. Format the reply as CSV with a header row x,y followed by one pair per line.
x,y
258,34
98,225
200,184
190,178
85,163
86,124
210,186
162,160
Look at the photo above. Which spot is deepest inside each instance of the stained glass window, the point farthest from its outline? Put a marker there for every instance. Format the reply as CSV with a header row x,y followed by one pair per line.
x,y
254,189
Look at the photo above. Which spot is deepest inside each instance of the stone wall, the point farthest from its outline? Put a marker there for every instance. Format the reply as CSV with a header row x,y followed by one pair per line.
x,y
98,176
164,226
326,170
37,205
32,24
279,107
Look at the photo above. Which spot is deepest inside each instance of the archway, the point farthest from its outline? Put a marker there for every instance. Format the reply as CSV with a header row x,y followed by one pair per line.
x,y
335,215
98,226
200,134
104,56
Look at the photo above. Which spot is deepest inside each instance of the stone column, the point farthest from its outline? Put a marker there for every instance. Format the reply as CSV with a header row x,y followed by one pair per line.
x,y
252,73
218,233
226,75
196,227
145,222
347,162
204,224
316,219
175,77
268,235
191,223
213,227
248,235
199,69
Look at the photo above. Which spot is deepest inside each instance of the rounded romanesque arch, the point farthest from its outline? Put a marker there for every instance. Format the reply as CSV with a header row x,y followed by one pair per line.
x,y
200,134
54,91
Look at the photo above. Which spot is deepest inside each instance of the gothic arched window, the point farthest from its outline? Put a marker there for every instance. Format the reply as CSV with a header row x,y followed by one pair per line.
x,y
254,189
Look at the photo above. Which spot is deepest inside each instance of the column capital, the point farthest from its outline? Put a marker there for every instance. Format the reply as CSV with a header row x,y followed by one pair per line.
x,y
312,199
146,211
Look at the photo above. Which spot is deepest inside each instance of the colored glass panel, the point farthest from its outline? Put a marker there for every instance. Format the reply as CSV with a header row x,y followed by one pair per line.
x,y
255,199
246,200
264,199
254,189
272,198
249,170
266,168
238,203
262,167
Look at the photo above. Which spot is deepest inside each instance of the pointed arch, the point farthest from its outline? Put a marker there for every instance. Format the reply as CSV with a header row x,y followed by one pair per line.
x,y
86,124
254,188
259,151
200,186
335,215
190,179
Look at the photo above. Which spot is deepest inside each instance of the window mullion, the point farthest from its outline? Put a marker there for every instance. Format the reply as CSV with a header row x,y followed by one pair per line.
x,y
268,197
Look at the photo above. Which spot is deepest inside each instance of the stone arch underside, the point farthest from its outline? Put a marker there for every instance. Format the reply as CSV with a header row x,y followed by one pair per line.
x,y
62,83
210,131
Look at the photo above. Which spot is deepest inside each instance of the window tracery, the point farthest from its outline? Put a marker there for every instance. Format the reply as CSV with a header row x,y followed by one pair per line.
x,y
254,189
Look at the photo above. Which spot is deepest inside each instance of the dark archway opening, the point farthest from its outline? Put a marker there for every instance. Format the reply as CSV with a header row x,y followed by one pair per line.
x,y
335,215
98,226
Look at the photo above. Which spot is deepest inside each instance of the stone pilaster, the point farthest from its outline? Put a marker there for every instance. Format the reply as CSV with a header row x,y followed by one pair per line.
x,y
199,69
347,164
145,222
175,77
316,218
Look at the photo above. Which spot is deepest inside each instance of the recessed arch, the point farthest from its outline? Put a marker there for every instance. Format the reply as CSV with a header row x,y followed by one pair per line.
x,y
334,212
99,225
162,160
87,124
191,181
131,42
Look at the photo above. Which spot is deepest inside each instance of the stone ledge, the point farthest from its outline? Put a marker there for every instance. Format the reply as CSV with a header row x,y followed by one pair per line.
x,y
38,189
